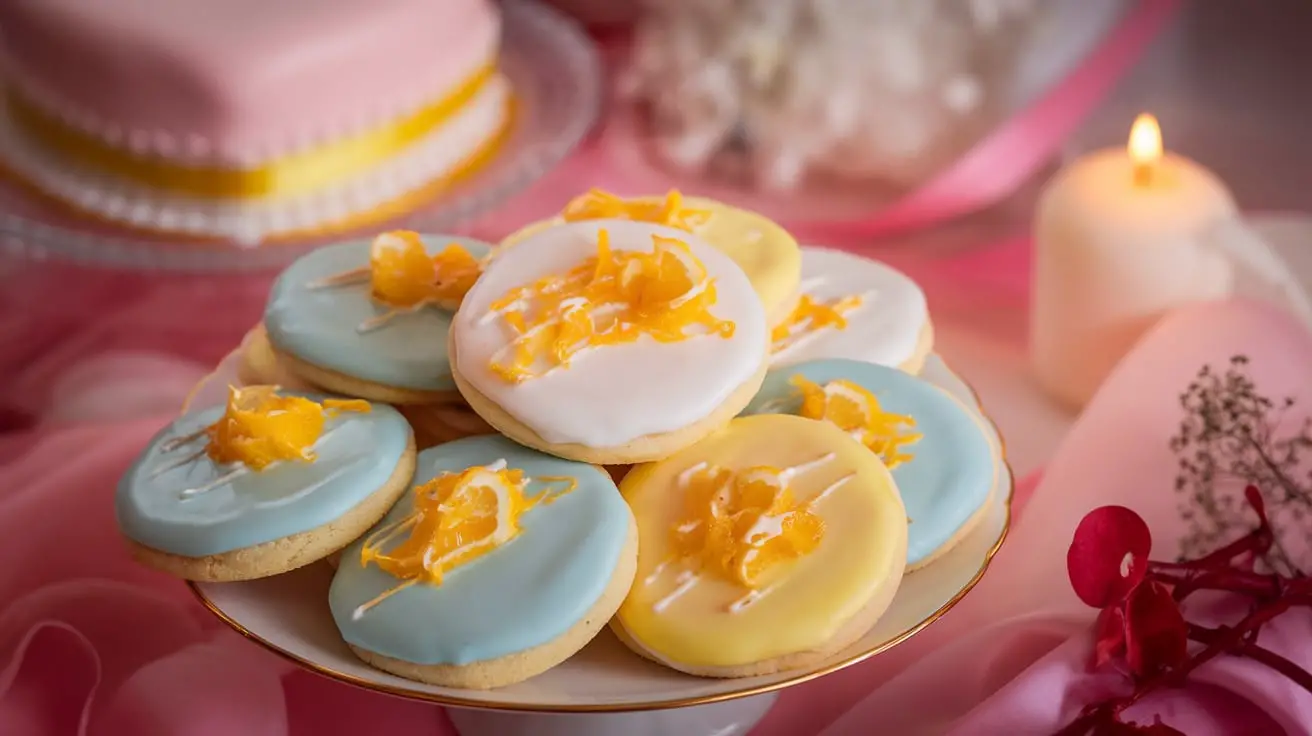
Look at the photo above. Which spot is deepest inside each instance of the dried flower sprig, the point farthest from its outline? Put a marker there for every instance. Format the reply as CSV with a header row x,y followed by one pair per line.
x,y
1234,435
1231,432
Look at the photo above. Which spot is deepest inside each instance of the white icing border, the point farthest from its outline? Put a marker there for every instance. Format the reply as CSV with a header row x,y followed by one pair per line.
x,y
200,150
610,396
250,222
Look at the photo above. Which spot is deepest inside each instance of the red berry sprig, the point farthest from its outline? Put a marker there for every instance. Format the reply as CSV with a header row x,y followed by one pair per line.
x,y
1141,627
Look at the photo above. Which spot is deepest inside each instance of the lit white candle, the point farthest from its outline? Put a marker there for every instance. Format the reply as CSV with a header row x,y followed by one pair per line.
x,y
1119,241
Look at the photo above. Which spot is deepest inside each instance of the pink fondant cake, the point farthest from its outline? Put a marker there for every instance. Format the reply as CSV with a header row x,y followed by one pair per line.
x,y
246,118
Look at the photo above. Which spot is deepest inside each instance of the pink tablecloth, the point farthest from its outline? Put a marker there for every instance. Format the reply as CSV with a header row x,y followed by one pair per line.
x,y
90,643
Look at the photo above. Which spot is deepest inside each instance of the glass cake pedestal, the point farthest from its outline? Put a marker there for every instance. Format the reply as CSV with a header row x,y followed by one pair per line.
x,y
553,68
605,688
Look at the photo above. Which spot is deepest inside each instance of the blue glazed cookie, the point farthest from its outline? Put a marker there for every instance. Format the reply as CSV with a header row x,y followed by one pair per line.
x,y
370,319
268,483
941,457
499,564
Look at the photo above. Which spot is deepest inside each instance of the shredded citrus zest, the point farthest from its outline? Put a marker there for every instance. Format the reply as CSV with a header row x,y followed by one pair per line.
x,y
857,411
597,204
810,315
614,298
457,518
260,427
403,275
739,525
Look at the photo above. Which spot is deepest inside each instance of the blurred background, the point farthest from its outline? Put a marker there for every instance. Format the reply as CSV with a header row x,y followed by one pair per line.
x,y
787,107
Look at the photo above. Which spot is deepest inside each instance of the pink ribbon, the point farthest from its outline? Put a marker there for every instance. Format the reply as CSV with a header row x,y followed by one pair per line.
x,y
1008,157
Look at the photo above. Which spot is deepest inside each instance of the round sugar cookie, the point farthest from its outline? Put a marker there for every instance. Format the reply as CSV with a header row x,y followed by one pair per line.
x,y
369,319
500,564
269,483
857,309
765,547
435,424
939,453
766,252
258,364
609,341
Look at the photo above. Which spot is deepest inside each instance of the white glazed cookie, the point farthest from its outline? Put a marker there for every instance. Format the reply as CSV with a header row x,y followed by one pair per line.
x,y
609,341
854,308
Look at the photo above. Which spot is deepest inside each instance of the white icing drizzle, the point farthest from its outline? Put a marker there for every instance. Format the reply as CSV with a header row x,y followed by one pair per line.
x,y
787,475
686,580
656,573
234,470
363,276
765,528
751,597
886,328
808,285
801,333
656,398
345,278
499,536
175,464
233,474
686,476
822,495
181,440
360,610
600,315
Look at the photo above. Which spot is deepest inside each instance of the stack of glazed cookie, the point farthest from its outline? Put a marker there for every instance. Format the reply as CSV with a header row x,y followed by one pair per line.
x,y
780,468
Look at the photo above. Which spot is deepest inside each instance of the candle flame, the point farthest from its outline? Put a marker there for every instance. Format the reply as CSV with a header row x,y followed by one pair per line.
x,y
1145,140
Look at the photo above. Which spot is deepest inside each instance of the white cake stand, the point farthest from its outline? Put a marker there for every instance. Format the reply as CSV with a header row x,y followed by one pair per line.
x,y
605,689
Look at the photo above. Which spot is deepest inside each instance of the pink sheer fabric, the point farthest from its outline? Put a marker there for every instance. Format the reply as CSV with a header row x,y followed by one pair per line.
x,y
1011,659
92,644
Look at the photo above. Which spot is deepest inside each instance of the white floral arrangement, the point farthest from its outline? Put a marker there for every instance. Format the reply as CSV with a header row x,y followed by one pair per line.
x,y
773,91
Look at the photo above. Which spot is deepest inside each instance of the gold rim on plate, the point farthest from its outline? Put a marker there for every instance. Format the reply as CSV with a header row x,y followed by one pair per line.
x,y
744,692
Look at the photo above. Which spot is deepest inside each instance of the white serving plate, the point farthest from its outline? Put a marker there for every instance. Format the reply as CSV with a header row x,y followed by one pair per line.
x,y
289,615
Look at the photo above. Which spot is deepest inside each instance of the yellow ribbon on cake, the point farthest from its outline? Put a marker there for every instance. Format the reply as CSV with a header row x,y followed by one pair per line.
x,y
291,174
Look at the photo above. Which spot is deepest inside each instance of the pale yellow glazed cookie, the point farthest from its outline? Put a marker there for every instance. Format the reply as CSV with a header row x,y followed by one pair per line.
x,y
765,547
609,341
766,252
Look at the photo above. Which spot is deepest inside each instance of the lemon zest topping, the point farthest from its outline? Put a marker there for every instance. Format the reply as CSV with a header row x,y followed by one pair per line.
x,y
403,275
811,315
598,204
457,517
740,525
260,427
613,298
857,412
